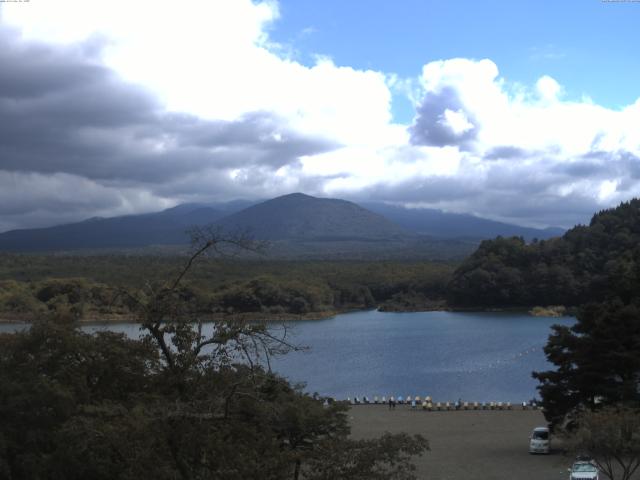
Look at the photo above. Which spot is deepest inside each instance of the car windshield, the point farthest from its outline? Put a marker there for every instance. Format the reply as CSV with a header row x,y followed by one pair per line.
x,y
583,467
540,435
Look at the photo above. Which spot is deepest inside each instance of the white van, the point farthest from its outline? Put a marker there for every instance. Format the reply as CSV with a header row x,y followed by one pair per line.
x,y
539,440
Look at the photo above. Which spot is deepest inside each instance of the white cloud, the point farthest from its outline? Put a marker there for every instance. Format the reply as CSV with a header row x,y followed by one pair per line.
x,y
32,199
607,189
214,59
537,120
457,121
524,149
534,158
548,89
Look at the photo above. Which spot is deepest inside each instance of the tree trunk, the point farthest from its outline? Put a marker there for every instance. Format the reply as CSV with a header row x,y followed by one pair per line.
x,y
296,471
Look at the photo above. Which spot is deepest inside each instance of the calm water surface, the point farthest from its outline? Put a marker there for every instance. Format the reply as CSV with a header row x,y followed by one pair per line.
x,y
473,356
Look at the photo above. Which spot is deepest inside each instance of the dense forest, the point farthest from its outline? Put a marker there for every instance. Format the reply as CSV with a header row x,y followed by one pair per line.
x,y
89,287
588,263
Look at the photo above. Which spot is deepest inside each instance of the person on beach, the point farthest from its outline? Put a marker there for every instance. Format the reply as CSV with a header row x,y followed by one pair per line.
x,y
390,403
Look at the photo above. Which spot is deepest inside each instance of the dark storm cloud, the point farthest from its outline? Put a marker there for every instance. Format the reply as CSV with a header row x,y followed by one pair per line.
x,y
583,169
430,126
601,164
262,136
632,163
25,193
536,192
36,69
554,208
431,190
61,113
541,190
490,198
624,162
522,179
505,152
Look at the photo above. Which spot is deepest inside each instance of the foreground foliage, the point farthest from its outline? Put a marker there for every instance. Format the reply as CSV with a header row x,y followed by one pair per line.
x,y
597,360
611,437
187,401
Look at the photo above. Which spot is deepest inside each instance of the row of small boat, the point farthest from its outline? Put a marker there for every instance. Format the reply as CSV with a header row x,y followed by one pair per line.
x,y
427,403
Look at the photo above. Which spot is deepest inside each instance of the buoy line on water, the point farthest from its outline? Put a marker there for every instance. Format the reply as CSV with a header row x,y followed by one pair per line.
x,y
504,362
479,405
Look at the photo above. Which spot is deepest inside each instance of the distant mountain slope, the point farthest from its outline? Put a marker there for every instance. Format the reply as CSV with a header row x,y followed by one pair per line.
x,y
298,225
452,225
166,227
289,218
298,216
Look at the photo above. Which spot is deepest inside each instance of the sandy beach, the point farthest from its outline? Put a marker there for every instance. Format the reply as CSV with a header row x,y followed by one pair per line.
x,y
468,445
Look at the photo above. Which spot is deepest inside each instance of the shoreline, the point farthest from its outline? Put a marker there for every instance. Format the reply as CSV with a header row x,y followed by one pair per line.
x,y
251,316
289,317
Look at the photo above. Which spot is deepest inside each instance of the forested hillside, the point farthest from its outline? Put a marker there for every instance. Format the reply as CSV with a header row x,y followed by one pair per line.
x,y
588,263
88,286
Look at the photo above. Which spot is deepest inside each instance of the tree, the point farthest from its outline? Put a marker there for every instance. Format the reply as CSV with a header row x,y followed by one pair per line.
x,y
611,437
588,263
597,360
186,401
375,459
56,382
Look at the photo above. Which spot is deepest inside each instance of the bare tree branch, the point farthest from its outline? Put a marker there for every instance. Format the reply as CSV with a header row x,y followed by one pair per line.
x,y
177,327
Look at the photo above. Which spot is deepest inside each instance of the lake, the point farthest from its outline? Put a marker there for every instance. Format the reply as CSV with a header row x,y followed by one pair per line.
x,y
447,355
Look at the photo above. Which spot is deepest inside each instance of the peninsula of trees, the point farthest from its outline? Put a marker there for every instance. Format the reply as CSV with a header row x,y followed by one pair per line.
x,y
588,263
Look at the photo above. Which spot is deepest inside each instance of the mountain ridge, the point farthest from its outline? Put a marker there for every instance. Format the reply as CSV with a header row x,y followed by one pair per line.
x,y
295,218
427,221
298,216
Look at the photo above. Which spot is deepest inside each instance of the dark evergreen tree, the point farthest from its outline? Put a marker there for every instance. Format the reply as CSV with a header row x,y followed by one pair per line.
x,y
597,360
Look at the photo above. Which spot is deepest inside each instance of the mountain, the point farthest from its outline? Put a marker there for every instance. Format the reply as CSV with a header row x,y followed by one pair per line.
x,y
297,226
302,217
436,223
166,227
289,218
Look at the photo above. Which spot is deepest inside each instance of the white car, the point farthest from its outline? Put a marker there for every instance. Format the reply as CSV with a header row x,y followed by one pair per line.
x,y
539,440
583,471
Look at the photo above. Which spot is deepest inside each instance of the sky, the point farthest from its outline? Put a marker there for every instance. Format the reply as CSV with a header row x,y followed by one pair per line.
x,y
525,111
